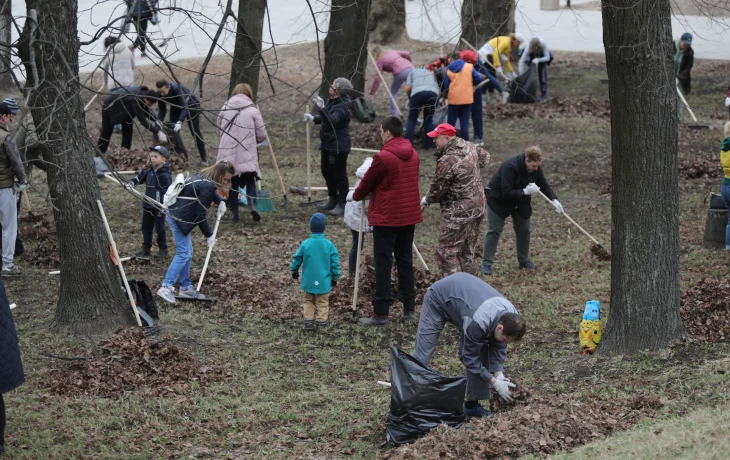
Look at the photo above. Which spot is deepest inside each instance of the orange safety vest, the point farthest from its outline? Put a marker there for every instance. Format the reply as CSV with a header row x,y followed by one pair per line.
x,y
461,87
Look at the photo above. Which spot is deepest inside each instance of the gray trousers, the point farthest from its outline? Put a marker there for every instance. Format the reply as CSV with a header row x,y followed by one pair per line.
x,y
495,225
433,319
9,222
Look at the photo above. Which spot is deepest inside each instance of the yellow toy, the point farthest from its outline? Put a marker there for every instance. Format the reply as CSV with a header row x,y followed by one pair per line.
x,y
590,335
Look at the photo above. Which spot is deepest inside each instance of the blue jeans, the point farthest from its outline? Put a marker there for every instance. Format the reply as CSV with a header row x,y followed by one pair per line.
x,y
398,80
425,100
725,192
476,115
461,112
180,266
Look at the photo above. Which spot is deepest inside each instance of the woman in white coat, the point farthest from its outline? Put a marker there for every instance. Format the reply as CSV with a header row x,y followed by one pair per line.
x,y
352,216
241,128
119,65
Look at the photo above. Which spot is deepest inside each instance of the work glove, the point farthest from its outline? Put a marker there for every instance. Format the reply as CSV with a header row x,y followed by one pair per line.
x,y
511,75
502,385
424,202
558,206
308,118
154,121
177,127
334,283
129,186
536,61
162,137
295,275
727,102
211,241
155,19
501,72
20,186
221,209
531,189
319,102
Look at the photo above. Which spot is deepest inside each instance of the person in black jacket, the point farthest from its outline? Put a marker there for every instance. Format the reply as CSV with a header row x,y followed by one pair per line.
x,y
684,59
190,210
183,105
158,179
509,194
335,139
121,108
11,366
140,13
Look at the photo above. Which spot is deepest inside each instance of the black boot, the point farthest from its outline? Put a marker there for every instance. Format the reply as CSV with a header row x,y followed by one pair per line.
x,y
338,210
232,203
331,204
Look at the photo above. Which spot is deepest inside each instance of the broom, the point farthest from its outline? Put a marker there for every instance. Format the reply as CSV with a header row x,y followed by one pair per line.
x,y
263,200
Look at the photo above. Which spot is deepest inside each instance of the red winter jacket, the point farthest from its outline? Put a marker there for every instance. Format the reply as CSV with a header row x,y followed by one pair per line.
x,y
392,183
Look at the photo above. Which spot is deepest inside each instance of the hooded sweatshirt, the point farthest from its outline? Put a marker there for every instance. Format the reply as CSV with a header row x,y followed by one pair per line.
x,y
320,264
725,160
353,208
120,67
460,81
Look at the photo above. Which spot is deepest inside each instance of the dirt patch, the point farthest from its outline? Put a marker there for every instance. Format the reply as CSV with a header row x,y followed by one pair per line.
x,y
366,136
706,310
138,159
42,230
699,168
129,362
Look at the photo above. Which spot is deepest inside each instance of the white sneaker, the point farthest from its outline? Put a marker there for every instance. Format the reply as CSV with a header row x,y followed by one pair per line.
x,y
167,294
190,293
478,142
505,97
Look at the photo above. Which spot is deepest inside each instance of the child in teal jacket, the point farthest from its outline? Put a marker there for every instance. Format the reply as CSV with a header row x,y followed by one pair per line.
x,y
320,272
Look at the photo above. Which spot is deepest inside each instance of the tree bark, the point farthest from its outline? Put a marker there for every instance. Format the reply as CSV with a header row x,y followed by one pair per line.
x,y
90,298
247,51
482,20
644,312
345,47
387,21
6,25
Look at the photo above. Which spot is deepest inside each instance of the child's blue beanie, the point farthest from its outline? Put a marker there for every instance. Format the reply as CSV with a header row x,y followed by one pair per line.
x,y
317,223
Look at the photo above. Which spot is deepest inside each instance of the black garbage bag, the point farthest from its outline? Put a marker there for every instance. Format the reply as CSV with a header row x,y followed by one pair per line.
x,y
421,399
523,89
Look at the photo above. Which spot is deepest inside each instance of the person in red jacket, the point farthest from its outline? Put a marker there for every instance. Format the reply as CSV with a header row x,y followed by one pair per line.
x,y
394,210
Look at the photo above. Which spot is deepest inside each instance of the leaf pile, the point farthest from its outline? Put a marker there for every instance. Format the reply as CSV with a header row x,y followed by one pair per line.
x,y
600,252
699,168
129,362
42,229
366,136
706,310
554,108
138,159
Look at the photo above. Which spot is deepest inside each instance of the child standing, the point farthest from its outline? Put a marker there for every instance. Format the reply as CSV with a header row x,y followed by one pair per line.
x,y
157,178
320,264
459,83
352,217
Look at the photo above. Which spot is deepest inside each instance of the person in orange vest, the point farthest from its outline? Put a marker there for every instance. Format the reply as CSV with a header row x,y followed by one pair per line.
x,y
459,82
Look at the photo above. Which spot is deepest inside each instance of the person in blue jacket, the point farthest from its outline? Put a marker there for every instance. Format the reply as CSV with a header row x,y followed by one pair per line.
x,y
11,366
183,106
140,12
320,264
189,211
158,179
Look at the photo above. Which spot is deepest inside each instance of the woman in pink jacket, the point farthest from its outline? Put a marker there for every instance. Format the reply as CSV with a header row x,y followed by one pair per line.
x,y
241,128
399,63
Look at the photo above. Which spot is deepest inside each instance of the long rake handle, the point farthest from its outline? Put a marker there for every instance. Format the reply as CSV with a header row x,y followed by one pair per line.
x,y
207,256
359,253
276,165
418,253
571,219
88,104
309,163
382,80
684,101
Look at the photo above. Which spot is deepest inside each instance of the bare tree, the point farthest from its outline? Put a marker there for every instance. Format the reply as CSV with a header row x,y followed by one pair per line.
x,y
644,213
247,53
6,27
482,20
90,299
387,21
345,47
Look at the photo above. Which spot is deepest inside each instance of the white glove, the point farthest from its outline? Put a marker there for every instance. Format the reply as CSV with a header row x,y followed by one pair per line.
x,y
177,127
129,186
211,242
536,61
319,102
501,72
727,102
221,209
511,76
308,118
558,206
424,202
162,137
531,189
159,124
502,386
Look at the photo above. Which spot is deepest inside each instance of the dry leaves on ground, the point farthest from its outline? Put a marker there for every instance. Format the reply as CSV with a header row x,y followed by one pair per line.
x,y
138,159
706,310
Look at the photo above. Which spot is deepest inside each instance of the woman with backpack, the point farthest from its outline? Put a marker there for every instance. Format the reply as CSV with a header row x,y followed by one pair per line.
x,y
335,139
241,128
190,210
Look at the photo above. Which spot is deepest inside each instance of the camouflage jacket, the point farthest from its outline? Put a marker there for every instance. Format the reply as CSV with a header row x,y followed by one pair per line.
x,y
457,185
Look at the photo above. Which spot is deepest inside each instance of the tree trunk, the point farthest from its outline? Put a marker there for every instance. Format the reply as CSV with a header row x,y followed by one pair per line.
x,y
345,47
644,312
90,298
387,21
247,52
482,20
6,80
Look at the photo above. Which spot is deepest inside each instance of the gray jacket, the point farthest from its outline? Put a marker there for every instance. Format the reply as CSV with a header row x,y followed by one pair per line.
x,y
422,80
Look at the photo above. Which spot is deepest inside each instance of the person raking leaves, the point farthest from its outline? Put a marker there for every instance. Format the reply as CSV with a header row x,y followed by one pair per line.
x,y
157,179
320,263
487,323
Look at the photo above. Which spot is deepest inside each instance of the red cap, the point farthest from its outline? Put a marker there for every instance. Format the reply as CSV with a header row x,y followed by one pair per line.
x,y
468,56
443,128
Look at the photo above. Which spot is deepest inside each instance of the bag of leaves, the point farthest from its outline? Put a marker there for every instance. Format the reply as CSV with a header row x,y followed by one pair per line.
x,y
523,89
145,301
363,110
421,399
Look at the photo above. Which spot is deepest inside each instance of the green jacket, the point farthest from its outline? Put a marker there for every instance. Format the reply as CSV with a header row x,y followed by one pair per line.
x,y
320,264
10,165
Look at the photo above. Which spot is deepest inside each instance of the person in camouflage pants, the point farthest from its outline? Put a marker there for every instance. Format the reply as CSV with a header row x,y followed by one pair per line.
x,y
457,187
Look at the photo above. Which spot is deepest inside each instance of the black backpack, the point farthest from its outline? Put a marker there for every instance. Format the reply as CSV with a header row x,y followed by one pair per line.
x,y
144,298
362,109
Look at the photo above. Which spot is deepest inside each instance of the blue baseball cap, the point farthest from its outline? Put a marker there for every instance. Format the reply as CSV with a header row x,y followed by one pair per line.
x,y
687,38
161,150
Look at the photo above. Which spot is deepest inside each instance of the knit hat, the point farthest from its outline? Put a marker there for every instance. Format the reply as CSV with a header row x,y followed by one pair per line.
x,y
161,150
11,104
317,223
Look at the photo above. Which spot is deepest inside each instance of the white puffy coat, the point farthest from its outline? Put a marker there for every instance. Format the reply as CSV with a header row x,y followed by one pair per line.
x,y
120,66
352,208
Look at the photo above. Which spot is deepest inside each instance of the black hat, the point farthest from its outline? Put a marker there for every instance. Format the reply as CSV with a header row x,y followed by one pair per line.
x,y
161,150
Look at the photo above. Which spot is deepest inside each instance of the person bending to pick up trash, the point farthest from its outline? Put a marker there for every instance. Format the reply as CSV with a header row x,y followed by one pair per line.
x,y
121,108
487,323
509,194
183,106
537,53
499,49
190,210
457,187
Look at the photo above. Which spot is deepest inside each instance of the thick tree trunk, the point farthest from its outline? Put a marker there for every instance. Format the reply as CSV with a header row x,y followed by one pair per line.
x,y
247,53
345,47
644,312
387,21
6,80
482,20
90,299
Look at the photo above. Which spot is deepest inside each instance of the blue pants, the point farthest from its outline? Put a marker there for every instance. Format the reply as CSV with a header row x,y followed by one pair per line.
x,y
461,112
180,266
476,115
725,192
425,100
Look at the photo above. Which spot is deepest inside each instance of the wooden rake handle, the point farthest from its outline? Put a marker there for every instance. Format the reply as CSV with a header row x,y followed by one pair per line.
x,y
570,219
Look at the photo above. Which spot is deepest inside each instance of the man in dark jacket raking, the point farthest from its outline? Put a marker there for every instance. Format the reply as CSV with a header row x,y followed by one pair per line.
x,y
183,106
12,181
121,108
684,58
394,210
509,194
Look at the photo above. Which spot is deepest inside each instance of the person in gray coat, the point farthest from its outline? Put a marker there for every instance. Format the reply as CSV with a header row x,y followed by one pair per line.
x,y
487,321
